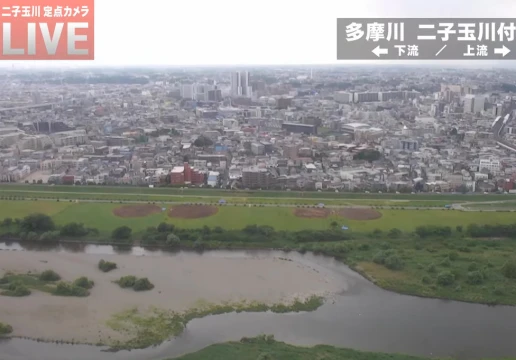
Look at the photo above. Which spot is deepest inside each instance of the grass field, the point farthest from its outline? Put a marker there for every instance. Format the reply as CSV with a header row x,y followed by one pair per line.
x,y
506,205
168,191
71,193
260,349
29,194
100,216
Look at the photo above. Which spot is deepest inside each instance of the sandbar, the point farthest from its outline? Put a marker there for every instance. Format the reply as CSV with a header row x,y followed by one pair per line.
x,y
180,282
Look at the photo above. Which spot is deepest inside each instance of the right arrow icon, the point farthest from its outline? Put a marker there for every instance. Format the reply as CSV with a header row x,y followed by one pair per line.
x,y
503,50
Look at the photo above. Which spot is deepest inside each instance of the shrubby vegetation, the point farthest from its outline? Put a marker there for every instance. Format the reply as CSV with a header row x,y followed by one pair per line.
x,y
472,263
83,282
106,266
170,236
131,281
445,278
16,289
5,329
65,289
157,325
479,231
389,258
126,281
509,270
433,230
264,347
49,275
143,284
19,284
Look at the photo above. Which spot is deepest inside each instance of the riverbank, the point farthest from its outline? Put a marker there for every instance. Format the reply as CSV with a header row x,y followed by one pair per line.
x,y
186,287
265,347
360,316
440,262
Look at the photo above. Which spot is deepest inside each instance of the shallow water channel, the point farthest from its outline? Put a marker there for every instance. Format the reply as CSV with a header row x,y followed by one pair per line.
x,y
361,316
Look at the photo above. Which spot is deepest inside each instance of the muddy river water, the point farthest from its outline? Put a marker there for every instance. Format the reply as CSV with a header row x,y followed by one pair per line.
x,y
360,315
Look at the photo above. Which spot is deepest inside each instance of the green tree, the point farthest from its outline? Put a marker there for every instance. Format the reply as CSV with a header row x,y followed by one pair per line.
x,y
368,155
37,223
203,141
164,227
122,233
173,240
73,229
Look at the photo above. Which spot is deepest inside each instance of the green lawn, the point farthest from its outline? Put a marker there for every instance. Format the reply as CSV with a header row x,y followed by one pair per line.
x,y
100,216
508,205
296,199
19,209
260,349
255,193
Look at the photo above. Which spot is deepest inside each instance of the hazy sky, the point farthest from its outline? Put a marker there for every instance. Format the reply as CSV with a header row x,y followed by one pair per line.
x,y
232,32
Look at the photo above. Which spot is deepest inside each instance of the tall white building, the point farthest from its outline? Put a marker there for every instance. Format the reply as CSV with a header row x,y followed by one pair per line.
x,y
480,103
474,104
188,91
240,84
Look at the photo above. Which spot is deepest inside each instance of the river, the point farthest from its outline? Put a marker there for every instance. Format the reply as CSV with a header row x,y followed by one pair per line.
x,y
362,316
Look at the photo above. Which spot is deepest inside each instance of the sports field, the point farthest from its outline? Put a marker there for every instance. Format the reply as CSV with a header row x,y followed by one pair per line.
x,y
107,216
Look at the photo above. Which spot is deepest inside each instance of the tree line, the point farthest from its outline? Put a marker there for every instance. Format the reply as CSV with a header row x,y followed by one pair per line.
x,y
472,230
41,227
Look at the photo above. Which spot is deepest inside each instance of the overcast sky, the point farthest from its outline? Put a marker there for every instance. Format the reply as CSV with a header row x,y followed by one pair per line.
x,y
233,32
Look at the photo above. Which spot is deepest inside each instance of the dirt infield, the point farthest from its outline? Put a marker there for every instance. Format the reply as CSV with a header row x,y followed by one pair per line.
x,y
359,214
192,211
133,211
311,213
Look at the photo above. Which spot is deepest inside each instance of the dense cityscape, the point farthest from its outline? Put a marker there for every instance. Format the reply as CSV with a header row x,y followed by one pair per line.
x,y
390,129
358,207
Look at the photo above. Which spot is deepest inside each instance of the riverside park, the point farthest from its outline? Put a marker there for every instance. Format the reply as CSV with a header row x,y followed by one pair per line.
x,y
106,208
343,258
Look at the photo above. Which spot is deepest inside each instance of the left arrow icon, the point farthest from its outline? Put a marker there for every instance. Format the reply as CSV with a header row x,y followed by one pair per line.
x,y
379,51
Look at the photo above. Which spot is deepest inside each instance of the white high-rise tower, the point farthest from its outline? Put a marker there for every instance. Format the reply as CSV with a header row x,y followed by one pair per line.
x,y
240,84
